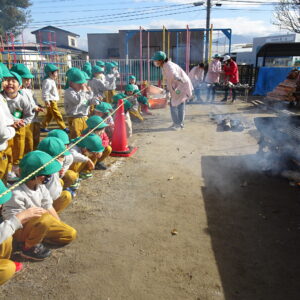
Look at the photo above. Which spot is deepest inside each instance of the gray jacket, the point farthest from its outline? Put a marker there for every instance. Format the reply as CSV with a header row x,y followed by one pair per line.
x,y
20,104
24,198
98,86
77,104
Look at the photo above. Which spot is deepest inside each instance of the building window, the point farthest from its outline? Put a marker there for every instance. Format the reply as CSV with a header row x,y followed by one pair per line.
x,y
113,53
72,42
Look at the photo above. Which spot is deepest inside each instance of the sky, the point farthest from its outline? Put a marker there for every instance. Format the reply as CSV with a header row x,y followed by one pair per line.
x,y
246,18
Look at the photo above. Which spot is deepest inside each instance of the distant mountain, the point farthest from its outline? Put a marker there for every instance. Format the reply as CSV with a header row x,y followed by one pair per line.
x,y
240,39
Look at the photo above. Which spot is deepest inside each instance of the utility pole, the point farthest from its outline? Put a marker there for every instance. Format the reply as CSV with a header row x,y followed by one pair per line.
x,y
208,7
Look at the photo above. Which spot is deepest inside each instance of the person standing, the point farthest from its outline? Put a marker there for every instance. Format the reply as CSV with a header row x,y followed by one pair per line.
x,y
197,75
231,77
51,97
213,77
179,86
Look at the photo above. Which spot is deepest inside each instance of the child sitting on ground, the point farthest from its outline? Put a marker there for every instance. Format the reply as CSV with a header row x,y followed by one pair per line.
x,y
93,122
127,107
61,198
7,229
103,110
132,96
69,177
78,99
21,109
33,193
132,81
89,149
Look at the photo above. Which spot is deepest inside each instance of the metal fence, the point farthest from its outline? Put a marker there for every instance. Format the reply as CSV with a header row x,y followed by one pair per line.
x,y
141,69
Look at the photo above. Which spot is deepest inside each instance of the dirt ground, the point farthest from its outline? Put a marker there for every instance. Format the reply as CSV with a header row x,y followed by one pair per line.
x,y
237,229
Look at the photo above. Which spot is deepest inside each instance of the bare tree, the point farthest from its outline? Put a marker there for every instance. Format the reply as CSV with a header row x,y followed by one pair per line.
x,y
287,15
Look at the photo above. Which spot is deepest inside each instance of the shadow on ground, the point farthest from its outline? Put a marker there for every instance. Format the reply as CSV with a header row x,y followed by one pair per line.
x,y
254,223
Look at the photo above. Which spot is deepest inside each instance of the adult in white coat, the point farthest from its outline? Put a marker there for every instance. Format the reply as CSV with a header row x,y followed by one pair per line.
x,y
178,84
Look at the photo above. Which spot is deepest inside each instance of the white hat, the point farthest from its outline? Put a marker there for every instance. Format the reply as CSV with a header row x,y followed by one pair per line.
x,y
226,57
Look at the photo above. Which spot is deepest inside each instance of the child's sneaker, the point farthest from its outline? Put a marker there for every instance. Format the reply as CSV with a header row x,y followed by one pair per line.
x,y
12,177
38,252
44,130
75,185
67,130
73,193
84,176
19,266
100,166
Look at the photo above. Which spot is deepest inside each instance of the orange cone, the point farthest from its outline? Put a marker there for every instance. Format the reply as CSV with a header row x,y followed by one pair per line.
x,y
119,140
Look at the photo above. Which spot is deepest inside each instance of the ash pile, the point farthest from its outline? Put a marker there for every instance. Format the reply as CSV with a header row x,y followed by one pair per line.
x,y
279,146
238,86
226,123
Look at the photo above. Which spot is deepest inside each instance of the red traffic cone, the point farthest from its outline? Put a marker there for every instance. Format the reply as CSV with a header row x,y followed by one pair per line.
x,y
119,140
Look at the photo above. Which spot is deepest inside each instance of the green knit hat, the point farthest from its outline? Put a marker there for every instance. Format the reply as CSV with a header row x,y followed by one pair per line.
x,y
132,77
87,68
127,105
102,107
60,134
53,146
49,68
5,71
108,68
97,69
3,189
137,92
143,100
76,75
22,70
86,75
94,121
118,97
92,143
159,55
114,64
129,88
108,105
100,63
16,76
36,159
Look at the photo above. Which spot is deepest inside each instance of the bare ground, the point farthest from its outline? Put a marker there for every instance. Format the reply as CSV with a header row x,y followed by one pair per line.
x,y
238,230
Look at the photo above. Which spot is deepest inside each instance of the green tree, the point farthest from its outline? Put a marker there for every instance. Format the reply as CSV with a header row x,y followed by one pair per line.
x,y
14,15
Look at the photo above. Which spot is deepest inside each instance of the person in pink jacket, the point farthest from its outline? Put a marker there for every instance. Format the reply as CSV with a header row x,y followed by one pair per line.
x,y
213,77
179,86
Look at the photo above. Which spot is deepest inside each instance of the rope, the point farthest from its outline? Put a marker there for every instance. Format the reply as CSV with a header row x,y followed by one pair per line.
x,y
60,154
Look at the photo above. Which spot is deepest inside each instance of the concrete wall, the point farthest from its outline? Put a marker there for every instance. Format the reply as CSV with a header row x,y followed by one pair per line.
x,y
98,45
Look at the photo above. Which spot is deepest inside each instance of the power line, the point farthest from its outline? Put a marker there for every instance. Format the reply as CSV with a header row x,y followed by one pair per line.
x,y
111,2
109,9
179,11
143,11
